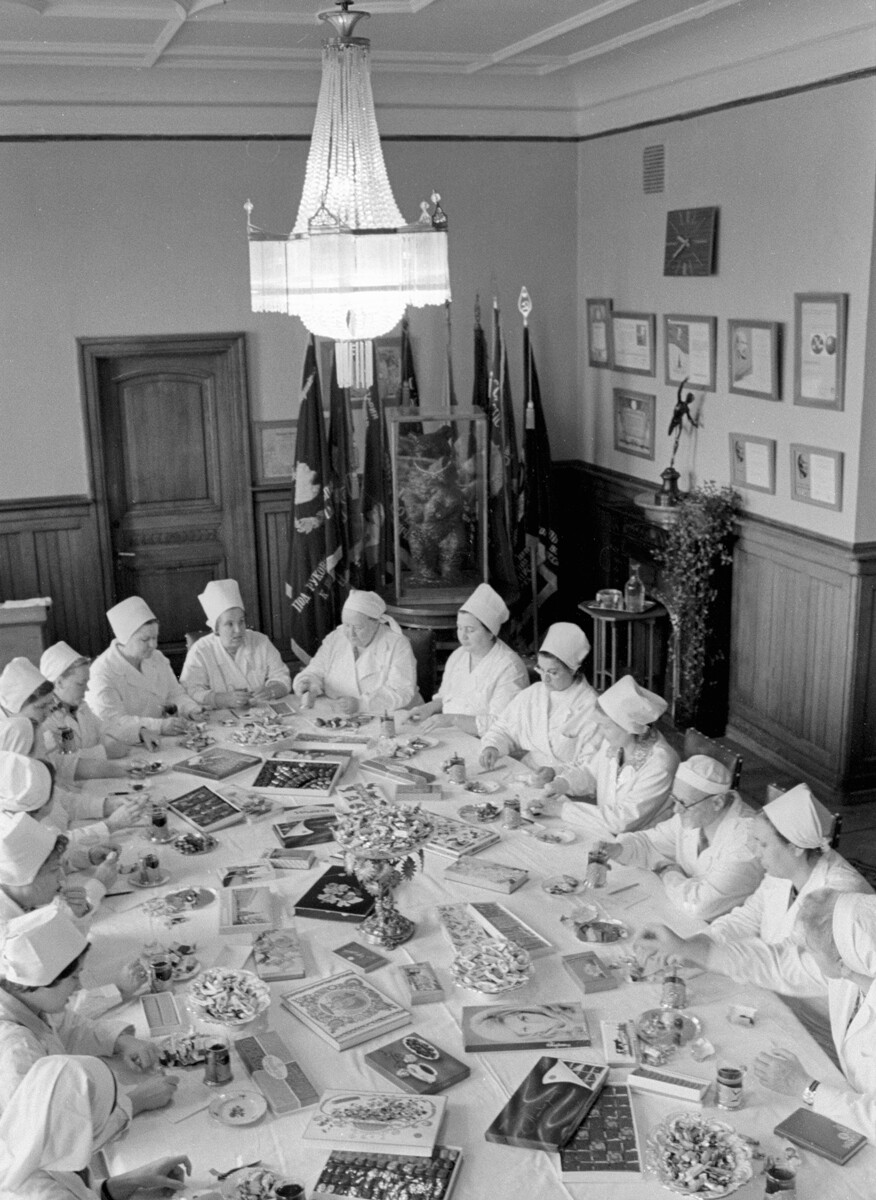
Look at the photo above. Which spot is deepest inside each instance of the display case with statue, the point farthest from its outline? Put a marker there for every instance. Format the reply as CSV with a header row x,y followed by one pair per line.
x,y
439,499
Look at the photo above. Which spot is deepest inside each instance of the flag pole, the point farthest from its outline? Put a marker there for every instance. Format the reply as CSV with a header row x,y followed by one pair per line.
x,y
524,307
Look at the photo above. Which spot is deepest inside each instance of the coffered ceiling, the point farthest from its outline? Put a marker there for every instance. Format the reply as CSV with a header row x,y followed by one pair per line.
x,y
456,66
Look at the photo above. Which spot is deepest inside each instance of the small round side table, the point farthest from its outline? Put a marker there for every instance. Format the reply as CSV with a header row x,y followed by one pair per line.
x,y
613,632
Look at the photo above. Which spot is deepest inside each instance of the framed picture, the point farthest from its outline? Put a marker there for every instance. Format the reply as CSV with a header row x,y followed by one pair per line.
x,y
753,358
689,351
753,462
633,341
389,369
820,349
274,446
599,333
634,414
817,476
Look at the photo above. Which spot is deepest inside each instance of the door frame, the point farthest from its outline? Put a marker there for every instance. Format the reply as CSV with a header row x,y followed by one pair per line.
x,y
230,381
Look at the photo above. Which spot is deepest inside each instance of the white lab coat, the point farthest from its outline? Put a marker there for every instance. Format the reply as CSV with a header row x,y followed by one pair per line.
x,y
52,1185
707,883
209,668
549,729
25,1037
383,677
630,795
127,699
485,689
855,1042
753,943
88,739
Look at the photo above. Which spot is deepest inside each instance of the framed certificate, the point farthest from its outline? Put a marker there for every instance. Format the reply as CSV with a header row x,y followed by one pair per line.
x,y
274,445
817,476
689,351
634,422
599,333
753,357
633,339
753,462
820,349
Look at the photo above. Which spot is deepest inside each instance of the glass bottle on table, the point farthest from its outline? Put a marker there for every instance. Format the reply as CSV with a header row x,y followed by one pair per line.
x,y
634,592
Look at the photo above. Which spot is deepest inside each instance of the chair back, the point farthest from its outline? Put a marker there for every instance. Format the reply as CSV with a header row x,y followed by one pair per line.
x,y
423,645
697,743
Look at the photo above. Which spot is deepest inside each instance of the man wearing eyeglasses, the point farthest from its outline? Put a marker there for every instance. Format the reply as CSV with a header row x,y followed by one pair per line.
x,y
702,852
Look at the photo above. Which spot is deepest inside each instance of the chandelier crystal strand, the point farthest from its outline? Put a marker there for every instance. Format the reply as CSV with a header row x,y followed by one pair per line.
x,y
351,265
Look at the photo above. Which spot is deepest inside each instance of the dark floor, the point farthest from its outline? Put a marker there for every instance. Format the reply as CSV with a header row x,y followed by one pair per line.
x,y
858,837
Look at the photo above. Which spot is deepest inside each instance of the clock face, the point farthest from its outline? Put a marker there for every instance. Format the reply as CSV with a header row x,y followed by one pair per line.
x,y
690,241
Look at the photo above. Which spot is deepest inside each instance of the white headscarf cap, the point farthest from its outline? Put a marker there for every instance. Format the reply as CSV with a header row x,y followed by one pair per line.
x,y
487,605
58,659
25,783
59,1115
566,642
17,735
218,596
800,818
704,775
25,844
854,931
20,679
369,604
126,617
38,946
631,706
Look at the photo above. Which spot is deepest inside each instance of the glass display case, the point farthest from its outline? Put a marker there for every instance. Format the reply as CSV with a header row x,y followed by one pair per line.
x,y
439,502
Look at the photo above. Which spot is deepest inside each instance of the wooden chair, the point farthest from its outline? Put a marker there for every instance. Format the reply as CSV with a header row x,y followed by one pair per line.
x,y
697,743
423,644
774,790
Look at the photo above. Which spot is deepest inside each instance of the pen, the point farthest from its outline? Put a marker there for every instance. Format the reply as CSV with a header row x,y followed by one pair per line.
x,y
628,887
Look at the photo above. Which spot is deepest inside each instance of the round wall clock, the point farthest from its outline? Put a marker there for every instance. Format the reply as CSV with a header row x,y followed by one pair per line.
x,y
691,241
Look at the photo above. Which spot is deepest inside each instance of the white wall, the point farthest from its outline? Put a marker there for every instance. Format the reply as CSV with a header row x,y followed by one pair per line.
x,y
794,179
127,238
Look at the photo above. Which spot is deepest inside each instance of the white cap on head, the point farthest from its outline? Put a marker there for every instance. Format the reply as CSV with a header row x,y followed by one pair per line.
x,y
38,946
488,607
25,783
800,818
58,659
25,845
217,597
631,706
127,616
854,931
19,680
701,775
566,642
369,604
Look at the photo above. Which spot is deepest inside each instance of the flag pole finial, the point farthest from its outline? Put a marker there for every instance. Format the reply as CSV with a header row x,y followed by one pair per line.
x,y
524,305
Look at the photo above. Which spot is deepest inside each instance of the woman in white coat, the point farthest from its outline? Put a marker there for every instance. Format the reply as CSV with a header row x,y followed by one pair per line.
x,y
26,699
482,676
366,664
233,666
65,1109
75,739
132,688
551,724
630,776
839,931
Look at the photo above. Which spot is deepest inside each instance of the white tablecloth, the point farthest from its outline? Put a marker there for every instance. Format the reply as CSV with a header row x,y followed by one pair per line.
x,y
490,1172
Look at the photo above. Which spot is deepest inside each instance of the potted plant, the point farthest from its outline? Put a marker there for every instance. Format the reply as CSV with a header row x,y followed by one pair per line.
x,y
694,585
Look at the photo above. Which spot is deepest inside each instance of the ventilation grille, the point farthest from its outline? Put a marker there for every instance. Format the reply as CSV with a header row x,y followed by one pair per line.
x,y
653,162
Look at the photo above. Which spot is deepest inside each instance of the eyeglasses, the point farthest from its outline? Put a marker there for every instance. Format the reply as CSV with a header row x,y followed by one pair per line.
x,y
552,672
685,807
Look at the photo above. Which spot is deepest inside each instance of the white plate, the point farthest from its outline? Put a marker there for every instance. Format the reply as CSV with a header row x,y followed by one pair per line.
x,y
243,1108
207,841
553,836
150,883
563,885
473,813
190,899
482,787
145,770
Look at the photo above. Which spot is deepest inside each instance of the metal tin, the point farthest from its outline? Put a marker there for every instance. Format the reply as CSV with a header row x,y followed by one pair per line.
x,y
674,994
217,1065
729,1087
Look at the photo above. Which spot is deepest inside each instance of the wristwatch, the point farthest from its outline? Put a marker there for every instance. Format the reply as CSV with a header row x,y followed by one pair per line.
x,y
809,1092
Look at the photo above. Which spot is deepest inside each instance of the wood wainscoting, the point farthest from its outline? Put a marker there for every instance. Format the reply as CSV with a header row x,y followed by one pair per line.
x,y
273,507
802,693
49,546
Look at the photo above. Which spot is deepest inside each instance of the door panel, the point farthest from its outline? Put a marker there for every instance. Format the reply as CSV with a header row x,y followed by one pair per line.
x,y
172,463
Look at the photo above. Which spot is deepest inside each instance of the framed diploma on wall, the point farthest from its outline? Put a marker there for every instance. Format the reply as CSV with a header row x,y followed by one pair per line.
x,y
753,462
599,333
689,346
753,358
274,451
633,339
820,349
817,476
634,422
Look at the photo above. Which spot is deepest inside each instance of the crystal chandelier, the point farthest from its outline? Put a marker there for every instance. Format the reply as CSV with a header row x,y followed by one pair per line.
x,y
351,265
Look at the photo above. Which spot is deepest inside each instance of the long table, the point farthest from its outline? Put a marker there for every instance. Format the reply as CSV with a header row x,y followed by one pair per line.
x,y
489,1170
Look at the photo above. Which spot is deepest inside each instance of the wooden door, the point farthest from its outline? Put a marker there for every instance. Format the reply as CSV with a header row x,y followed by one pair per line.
x,y
169,432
